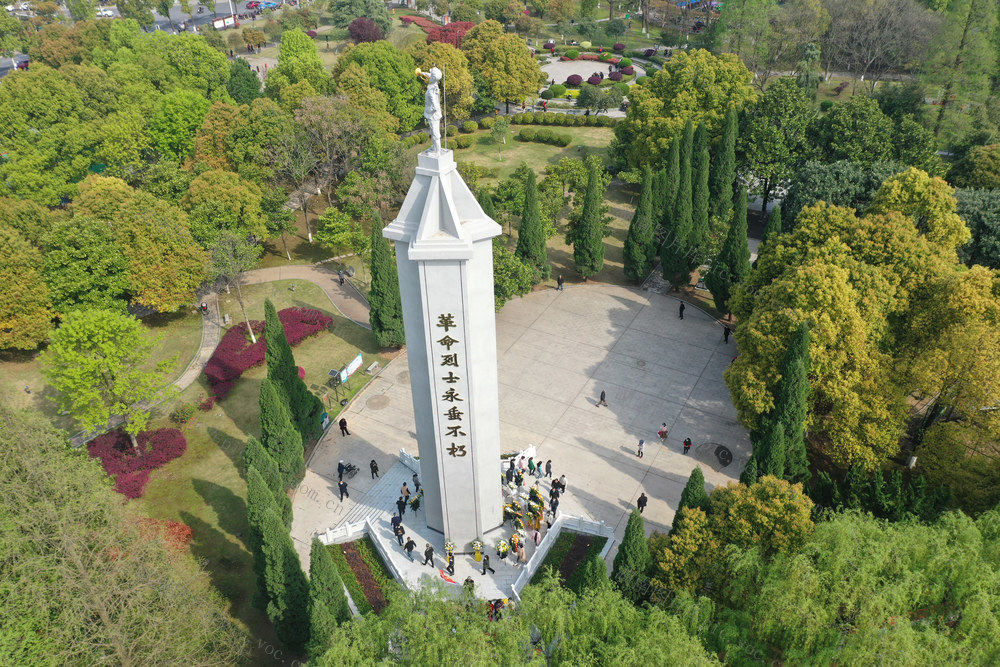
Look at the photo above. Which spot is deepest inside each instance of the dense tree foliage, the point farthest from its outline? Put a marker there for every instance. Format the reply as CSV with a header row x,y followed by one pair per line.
x,y
84,580
640,244
305,406
386,314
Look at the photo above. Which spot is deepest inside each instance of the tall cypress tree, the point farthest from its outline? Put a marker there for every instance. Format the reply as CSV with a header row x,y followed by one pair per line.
x,y
773,227
672,180
749,476
386,310
791,401
684,206
260,500
699,219
287,588
639,249
486,201
328,606
724,171
279,436
675,253
733,261
305,407
693,495
769,448
255,456
588,240
530,234
633,555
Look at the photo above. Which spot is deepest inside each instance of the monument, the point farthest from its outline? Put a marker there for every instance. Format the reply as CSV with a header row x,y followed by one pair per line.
x,y
444,254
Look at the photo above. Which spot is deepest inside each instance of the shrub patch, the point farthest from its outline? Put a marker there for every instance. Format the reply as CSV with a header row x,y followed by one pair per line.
x,y
131,467
236,354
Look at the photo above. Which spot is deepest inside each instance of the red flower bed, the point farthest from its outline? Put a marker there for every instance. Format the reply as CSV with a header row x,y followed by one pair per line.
x,y
589,56
407,20
235,353
129,466
424,23
453,33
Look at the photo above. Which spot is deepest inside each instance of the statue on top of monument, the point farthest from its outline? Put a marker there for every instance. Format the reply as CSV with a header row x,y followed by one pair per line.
x,y
432,108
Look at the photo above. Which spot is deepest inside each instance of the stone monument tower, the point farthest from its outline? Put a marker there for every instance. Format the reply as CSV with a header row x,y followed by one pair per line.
x,y
444,253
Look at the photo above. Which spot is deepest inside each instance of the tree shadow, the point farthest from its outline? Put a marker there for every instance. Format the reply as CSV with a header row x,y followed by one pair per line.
x,y
230,508
230,446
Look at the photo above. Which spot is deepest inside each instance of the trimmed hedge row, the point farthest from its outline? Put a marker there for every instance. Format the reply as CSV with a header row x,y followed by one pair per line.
x,y
542,118
544,136
415,139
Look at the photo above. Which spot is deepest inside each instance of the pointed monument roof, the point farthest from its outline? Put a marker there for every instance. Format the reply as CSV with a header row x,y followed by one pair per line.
x,y
440,217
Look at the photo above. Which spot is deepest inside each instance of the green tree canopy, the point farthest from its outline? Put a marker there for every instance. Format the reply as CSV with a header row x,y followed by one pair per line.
x,y
640,248
99,363
386,314
391,72
25,315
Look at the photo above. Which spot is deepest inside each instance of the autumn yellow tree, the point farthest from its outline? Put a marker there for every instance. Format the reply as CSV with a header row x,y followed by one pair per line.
x,y
458,84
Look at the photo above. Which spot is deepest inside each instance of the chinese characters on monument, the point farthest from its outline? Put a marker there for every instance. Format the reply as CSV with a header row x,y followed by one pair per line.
x,y
452,396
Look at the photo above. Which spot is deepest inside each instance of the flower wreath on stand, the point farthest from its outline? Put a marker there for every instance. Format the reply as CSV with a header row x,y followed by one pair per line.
x,y
502,548
415,500
477,545
449,546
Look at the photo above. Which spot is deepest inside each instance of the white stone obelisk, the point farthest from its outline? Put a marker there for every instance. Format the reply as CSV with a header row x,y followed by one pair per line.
x,y
444,253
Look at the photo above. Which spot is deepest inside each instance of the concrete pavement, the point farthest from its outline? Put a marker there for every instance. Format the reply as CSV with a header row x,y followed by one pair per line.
x,y
556,352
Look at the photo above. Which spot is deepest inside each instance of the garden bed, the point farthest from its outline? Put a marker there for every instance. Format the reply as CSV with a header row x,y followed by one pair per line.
x,y
363,572
568,554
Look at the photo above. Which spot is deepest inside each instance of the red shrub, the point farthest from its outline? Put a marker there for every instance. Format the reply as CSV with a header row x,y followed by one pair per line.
x,y
628,70
406,20
130,467
619,47
594,80
549,46
424,23
453,33
574,80
235,353
615,76
177,535
363,29
589,56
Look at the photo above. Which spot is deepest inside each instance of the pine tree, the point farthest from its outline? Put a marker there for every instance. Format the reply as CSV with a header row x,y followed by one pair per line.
x,y
279,436
588,240
659,194
671,181
633,555
386,309
486,202
897,509
724,171
749,476
773,227
880,496
693,495
287,588
916,496
530,234
698,145
699,220
771,442
259,501
255,456
791,402
639,249
594,574
305,407
733,261
825,492
675,254
856,488
328,606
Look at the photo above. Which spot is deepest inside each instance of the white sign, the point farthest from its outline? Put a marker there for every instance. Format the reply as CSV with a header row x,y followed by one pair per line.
x,y
351,367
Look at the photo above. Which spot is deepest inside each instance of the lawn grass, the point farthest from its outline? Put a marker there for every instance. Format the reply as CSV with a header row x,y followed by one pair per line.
x,y
180,338
556,554
205,487
586,140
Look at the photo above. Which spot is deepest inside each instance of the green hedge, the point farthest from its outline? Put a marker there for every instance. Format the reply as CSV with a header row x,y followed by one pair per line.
x,y
463,141
573,54
470,126
545,136
624,62
558,90
487,123
546,94
569,120
350,581
452,130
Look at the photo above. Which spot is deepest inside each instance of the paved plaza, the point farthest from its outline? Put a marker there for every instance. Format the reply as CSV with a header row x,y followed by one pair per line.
x,y
556,352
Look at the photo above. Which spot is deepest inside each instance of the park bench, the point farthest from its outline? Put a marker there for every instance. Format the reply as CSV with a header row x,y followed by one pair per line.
x,y
372,368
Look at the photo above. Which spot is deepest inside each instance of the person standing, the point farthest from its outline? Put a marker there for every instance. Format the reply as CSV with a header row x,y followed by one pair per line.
x,y
409,547
725,334
687,445
523,556
399,534
416,482
536,537
374,467
405,491
340,470
342,485
548,468
641,502
451,564
401,506
603,400
662,433
642,445
559,283
486,564
429,555
340,275
343,427
681,310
